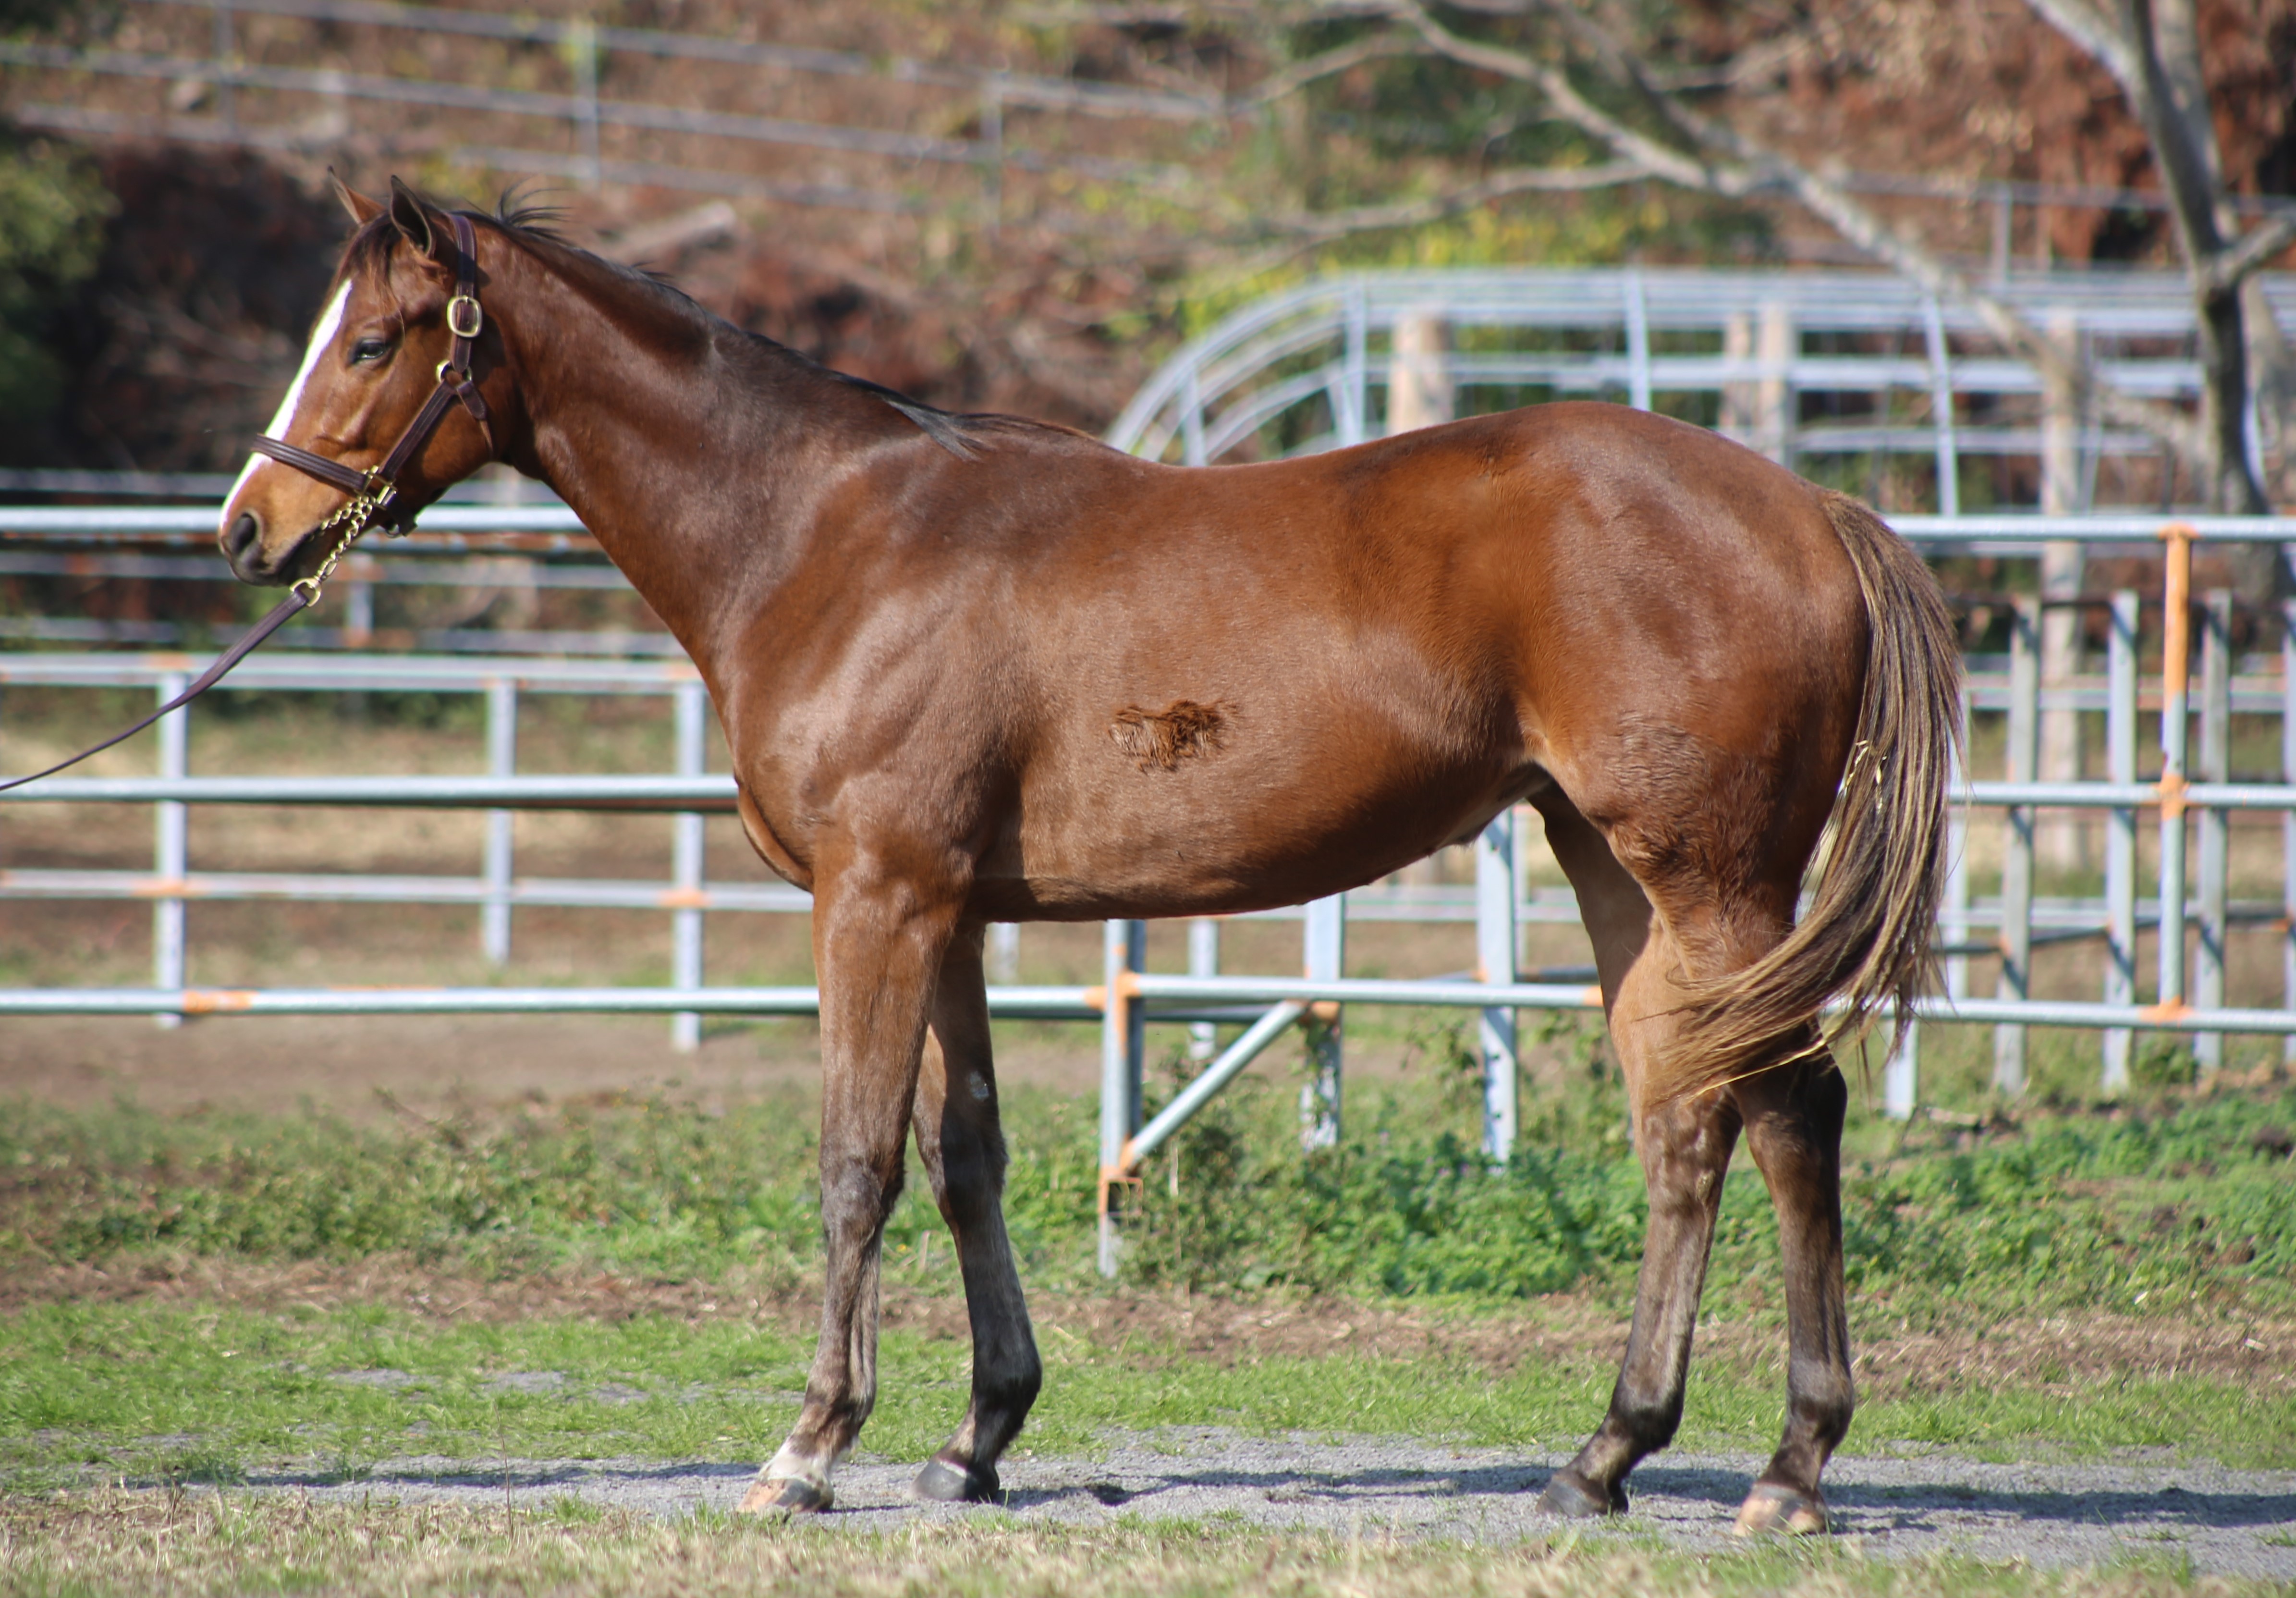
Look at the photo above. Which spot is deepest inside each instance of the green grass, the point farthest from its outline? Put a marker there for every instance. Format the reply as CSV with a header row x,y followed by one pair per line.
x,y
105,1544
2069,1207
2166,1209
156,1393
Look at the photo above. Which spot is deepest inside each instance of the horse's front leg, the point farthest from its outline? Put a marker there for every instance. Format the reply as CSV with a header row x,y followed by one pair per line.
x,y
962,1141
878,937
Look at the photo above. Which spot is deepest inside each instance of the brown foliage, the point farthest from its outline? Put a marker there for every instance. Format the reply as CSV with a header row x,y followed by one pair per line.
x,y
1986,89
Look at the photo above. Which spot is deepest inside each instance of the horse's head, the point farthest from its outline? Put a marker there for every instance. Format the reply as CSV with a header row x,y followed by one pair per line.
x,y
380,351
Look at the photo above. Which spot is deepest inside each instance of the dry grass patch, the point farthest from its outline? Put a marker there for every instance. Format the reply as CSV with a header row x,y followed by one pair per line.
x,y
152,1544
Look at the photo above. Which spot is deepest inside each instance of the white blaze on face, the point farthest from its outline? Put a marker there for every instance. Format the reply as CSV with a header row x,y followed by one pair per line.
x,y
329,325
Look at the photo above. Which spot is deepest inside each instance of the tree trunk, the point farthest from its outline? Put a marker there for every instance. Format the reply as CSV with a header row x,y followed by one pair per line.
x,y
2172,102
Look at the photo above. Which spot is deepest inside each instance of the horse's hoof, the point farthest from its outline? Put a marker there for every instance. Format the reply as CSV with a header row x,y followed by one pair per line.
x,y
1774,1507
1572,1496
946,1481
787,1495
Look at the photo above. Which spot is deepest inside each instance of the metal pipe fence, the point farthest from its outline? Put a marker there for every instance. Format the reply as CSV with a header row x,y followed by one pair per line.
x,y
583,50
2192,917
2024,919
1307,370
2195,792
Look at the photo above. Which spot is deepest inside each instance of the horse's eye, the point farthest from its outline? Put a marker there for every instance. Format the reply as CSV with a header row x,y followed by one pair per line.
x,y
369,349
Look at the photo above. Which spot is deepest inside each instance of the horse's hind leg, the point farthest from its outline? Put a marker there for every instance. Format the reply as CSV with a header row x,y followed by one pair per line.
x,y
962,1145
1793,1126
1685,1145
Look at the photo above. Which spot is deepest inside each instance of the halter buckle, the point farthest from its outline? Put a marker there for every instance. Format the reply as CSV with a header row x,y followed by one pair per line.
x,y
457,309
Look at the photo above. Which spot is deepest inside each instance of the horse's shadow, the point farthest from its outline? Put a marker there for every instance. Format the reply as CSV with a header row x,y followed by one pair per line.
x,y
1859,1506
1867,1506
523,1477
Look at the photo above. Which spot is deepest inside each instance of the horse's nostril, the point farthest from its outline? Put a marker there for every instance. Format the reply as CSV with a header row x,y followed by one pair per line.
x,y
245,534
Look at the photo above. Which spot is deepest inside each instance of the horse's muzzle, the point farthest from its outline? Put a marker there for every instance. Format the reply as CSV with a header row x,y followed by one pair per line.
x,y
242,547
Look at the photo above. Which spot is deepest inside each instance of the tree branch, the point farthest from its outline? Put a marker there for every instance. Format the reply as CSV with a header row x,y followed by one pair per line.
x,y
1410,213
1662,161
2232,267
1748,167
1300,74
2082,24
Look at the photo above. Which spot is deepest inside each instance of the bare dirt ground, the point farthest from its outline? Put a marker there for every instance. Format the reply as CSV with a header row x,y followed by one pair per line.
x,y
2223,1522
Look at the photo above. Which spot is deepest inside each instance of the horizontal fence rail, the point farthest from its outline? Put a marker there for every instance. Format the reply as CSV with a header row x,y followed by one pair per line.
x,y
1052,1003
2187,916
1132,999
2038,921
582,53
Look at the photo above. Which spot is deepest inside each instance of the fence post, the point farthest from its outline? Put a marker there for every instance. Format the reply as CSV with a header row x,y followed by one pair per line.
x,y
172,850
582,45
227,53
1735,411
1351,423
1124,951
501,761
1901,1076
1192,418
1326,949
359,604
1956,917
2215,766
1495,961
2175,652
1420,391
2063,836
1203,960
686,851
2016,939
2121,836
1638,350
1948,446
1004,953
2288,818
1773,394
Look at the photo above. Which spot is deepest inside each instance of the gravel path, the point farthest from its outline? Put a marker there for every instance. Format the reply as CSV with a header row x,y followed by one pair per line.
x,y
2226,1522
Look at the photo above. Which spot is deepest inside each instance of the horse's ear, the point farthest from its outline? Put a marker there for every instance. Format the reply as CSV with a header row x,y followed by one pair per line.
x,y
363,209
423,224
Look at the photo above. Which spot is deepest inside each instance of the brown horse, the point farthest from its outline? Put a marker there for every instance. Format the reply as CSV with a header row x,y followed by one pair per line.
x,y
975,668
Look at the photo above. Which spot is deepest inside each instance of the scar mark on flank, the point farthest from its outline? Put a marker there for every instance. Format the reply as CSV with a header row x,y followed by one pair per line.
x,y
1160,740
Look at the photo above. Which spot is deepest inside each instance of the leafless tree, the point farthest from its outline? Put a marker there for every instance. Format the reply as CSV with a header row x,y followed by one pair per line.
x,y
1587,69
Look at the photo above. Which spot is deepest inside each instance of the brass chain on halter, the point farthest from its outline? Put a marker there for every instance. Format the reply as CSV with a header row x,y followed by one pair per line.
x,y
359,511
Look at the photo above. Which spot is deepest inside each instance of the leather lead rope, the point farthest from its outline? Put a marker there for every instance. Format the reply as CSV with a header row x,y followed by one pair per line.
x,y
370,491
207,679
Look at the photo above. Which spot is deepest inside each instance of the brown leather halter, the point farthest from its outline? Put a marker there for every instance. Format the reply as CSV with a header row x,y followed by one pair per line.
x,y
372,491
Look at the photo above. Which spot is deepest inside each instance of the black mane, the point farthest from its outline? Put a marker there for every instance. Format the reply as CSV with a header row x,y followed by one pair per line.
x,y
522,216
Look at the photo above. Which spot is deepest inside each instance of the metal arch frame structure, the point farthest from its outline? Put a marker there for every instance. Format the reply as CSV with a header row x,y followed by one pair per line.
x,y
1319,343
